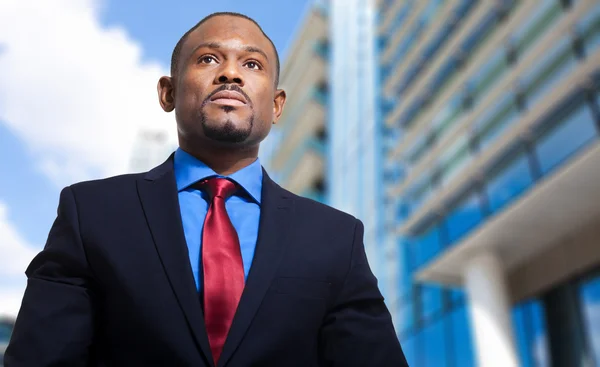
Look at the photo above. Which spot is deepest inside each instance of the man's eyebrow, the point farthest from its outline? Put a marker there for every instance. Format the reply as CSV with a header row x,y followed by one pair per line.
x,y
206,45
216,45
256,50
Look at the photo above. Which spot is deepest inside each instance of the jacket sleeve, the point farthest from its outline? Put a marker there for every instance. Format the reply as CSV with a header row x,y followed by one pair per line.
x,y
55,324
358,329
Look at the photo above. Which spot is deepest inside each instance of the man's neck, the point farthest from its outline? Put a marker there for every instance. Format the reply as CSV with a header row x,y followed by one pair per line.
x,y
224,161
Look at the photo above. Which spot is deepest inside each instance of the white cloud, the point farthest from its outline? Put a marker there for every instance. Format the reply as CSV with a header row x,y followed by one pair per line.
x,y
15,256
74,92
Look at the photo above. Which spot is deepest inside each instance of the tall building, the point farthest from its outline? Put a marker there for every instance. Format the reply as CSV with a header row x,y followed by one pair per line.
x,y
491,125
6,327
294,153
355,155
151,147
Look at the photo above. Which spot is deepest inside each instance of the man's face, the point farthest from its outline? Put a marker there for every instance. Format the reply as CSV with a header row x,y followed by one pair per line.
x,y
225,89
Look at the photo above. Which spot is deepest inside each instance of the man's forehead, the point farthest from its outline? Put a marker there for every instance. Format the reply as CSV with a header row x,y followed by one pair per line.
x,y
227,29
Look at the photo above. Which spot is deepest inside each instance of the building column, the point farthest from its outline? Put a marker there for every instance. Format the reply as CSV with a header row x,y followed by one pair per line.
x,y
490,311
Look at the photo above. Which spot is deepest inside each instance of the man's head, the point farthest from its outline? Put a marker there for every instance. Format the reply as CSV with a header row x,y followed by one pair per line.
x,y
223,84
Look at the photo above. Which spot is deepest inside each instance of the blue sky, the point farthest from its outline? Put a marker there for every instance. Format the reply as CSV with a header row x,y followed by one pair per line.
x,y
66,107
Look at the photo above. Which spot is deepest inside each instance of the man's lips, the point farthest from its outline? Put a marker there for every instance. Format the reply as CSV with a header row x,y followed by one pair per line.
x,y
229,97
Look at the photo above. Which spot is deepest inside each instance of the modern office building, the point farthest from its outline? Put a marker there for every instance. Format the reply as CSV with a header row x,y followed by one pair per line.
x,y
355,148
294,153
6,326
151,147
491,126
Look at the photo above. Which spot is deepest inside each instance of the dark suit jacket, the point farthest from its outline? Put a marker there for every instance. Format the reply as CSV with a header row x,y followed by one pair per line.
x,y
114,287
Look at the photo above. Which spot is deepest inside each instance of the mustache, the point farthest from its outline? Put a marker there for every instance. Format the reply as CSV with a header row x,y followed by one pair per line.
x,y
229,87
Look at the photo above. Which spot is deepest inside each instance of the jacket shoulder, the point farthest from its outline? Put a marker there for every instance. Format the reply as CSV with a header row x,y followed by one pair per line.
x,y
110,187
321,212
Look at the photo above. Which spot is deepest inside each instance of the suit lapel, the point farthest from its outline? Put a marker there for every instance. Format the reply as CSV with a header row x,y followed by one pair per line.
x,y
275,215
158,194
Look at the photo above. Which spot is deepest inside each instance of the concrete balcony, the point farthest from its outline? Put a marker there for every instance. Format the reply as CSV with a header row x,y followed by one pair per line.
x,y
305,167
304,121
562,209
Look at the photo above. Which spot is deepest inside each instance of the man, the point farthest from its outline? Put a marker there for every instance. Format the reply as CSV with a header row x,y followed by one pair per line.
x,y
204,260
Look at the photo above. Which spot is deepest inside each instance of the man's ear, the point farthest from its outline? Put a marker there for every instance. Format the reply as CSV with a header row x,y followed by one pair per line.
x,y
166,93
278,104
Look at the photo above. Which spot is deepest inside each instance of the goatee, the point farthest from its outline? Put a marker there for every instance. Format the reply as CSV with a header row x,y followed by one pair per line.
x,y
228,132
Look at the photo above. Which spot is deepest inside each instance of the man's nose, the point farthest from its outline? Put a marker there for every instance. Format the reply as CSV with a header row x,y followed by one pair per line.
x,y
230,73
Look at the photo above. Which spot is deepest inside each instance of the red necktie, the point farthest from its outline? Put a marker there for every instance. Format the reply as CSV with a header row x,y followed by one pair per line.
x,y
223,269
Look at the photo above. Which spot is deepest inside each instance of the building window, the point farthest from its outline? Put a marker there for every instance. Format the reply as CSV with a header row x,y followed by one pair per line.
x,y
426,245
589,30
508,180
409,349
419,193
464,215
431,302
488,74
496,119
590,301
447,116
406,315
531,338
461,340
480,33
570,129
548,71
454,160
419,147
541,18
435,346
405,264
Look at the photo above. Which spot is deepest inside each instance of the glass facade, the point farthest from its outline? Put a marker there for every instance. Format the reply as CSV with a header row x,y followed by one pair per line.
x,y
590,300
473,99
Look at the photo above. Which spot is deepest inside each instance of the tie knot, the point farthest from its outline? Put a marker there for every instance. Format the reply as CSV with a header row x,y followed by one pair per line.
x,y
219,187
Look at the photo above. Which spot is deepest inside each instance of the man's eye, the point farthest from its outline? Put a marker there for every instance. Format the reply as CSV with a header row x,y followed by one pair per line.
x,y
207,59
253,65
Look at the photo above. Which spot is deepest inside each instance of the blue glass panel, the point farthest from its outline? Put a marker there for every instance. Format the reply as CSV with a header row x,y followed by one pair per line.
x,y
417,149
464,7
419,193
457,296
405,268
519,317
530,330
463,217
508,181
539,343
482,30
461,340
443,75
426,245
549,70
543,15
411,112
409,349
407,44
406,319
590,299
5,332
431,301
590,28
438,40
454,160
566,137
496,120
447,116
435,347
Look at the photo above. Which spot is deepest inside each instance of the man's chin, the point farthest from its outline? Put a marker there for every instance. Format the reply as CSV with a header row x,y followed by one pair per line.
x,y
227,132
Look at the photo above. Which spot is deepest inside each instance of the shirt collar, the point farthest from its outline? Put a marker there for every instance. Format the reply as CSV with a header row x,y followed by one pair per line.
x,y
189,170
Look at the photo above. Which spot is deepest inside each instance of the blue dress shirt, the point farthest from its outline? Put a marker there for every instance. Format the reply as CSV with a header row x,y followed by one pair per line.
x,y
244,211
